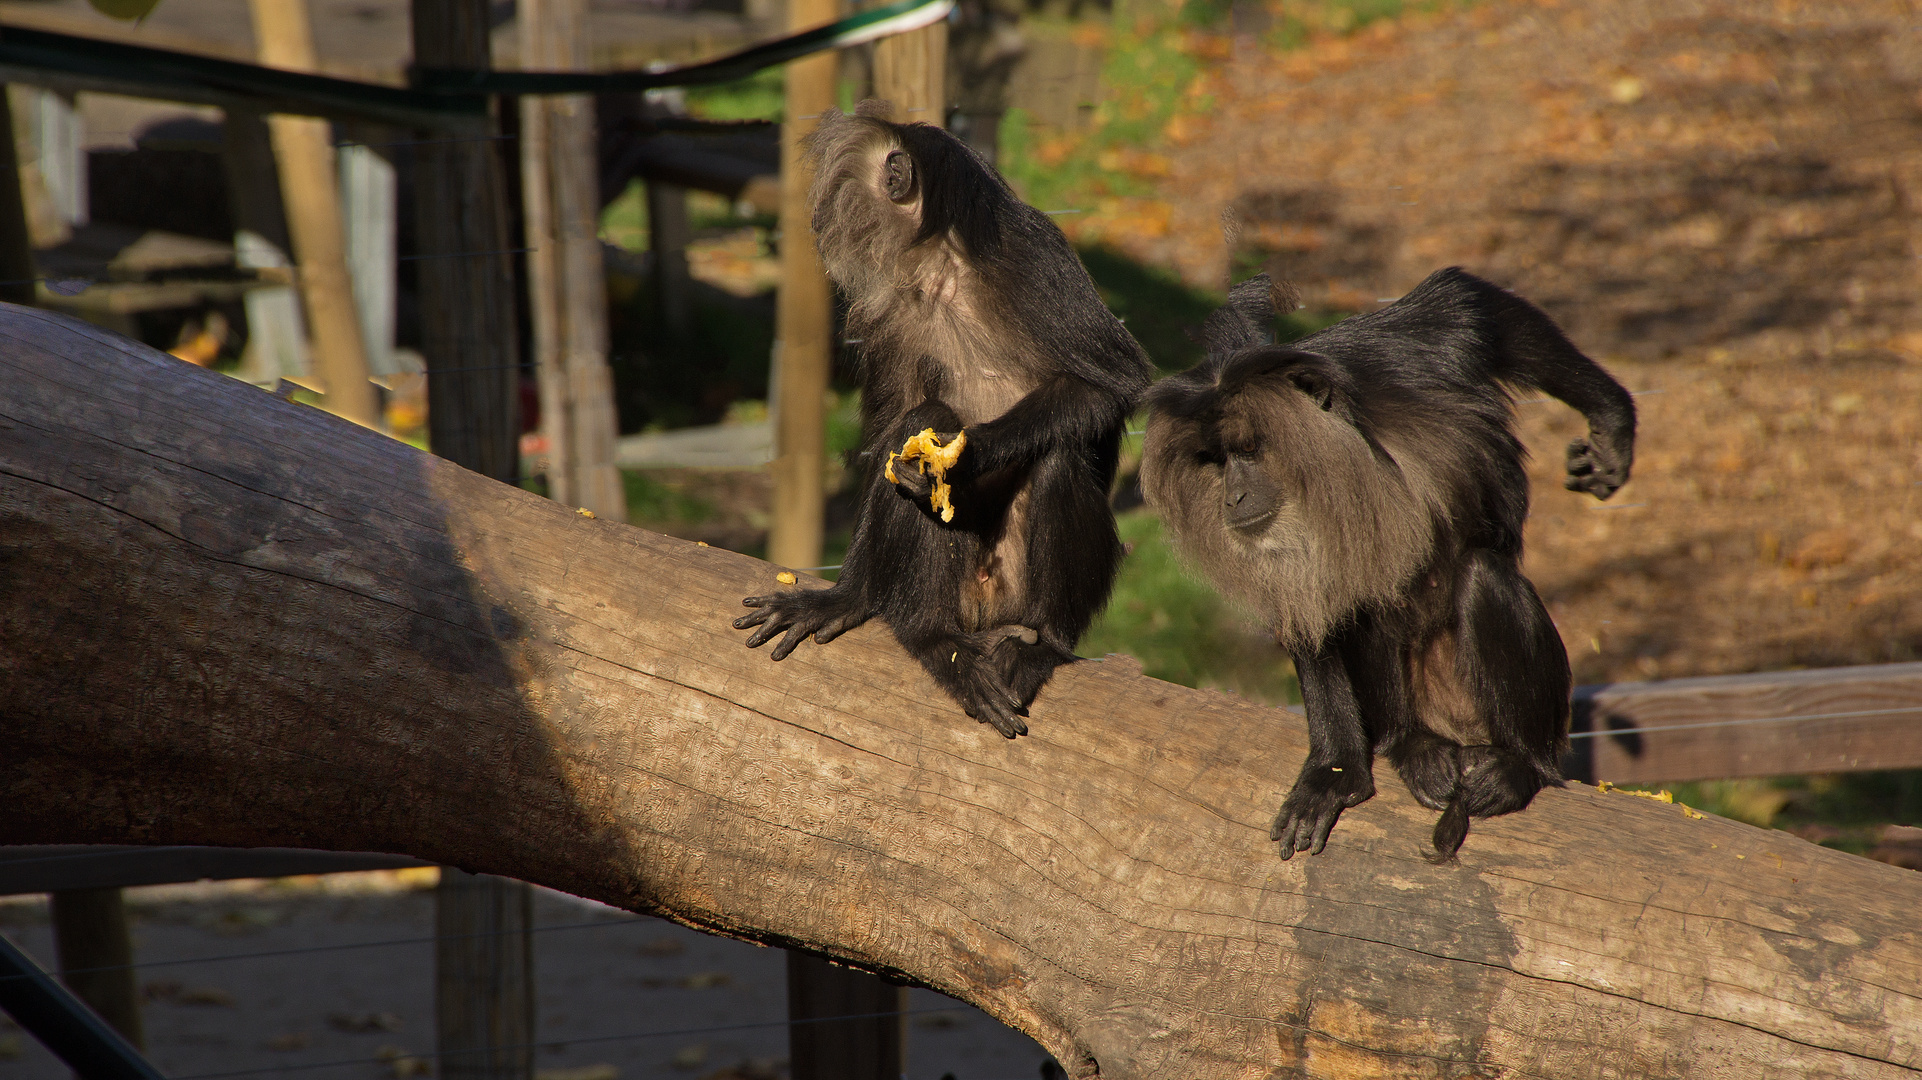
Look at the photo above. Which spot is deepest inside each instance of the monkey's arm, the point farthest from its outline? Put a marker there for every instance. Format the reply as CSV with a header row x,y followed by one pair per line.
x,y
1066,411
1530,350
1339,772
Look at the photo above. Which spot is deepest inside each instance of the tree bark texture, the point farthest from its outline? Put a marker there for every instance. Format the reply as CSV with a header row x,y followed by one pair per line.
x,y
230,619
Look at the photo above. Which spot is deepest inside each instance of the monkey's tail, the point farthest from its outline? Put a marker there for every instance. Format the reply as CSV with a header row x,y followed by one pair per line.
x,y
1452,829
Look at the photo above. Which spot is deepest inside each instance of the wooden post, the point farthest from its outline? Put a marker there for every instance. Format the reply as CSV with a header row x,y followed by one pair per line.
x,y
567,284
96,955
16,249
668,233
310,187
910,70
484,958
469,334
484,977
871,1047
802,318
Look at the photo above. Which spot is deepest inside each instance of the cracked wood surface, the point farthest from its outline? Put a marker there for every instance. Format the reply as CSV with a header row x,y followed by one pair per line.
x,y
228,619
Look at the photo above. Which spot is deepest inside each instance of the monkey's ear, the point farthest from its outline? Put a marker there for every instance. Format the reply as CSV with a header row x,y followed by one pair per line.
x,y
897,176
1315,385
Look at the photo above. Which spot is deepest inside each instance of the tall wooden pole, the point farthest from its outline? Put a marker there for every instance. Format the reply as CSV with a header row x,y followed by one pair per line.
x,y
910,70
16,245
803,317
95,948
469,333
483,958
310,187
566,282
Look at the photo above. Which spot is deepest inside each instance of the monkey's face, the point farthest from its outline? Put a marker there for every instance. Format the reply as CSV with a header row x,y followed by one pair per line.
x,y
1271,485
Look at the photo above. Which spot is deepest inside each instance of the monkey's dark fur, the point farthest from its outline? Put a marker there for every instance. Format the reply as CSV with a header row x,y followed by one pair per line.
x,y
1362,488
974,315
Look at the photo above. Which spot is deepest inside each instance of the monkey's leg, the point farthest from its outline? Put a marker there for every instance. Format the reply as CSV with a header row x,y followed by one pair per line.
x,y
1339,771
1513,662
1072,555
1378,669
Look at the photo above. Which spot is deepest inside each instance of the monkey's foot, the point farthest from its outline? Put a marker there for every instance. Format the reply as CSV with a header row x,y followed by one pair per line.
x,y
1429,765
1595,468
968,674
824,613
1321,793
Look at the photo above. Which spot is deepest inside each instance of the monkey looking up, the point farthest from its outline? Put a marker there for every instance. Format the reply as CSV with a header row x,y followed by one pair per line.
x,y
1363,490
975,319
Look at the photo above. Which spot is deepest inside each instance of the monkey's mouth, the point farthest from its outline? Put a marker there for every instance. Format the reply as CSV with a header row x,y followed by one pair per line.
x,y
1252,521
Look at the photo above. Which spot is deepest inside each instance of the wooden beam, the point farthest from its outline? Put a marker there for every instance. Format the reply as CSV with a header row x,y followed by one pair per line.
x,y
387,652
310,189
1728,726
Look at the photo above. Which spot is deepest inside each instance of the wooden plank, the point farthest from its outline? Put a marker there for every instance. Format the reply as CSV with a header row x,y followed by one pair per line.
x,y
1723,727
95,947
39,868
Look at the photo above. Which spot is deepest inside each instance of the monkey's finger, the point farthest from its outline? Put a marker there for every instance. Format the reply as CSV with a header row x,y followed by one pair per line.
x,y
836,628
753,618
1322,829
766,633
795,636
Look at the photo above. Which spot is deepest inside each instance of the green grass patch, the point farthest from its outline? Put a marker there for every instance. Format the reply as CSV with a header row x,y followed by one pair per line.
x,y
648,499
1180,629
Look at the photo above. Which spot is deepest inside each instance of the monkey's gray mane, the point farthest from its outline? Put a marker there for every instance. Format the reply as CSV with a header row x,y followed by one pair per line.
x,y
1354,529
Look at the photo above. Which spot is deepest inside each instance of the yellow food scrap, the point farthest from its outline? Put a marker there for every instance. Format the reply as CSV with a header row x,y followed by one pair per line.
x,y
1658,796
1603,785
1687,813
700,543
785,577
933,459
585,512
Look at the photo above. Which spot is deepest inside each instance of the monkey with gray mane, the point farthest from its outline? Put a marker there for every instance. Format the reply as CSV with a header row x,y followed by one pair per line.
x,y
976,321
1363,489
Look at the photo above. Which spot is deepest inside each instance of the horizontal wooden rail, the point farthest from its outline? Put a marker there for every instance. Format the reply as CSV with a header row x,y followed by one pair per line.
x,y
1723,727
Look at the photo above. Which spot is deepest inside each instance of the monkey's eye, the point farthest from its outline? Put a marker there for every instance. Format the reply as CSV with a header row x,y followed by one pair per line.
x,y
898,176
1245,451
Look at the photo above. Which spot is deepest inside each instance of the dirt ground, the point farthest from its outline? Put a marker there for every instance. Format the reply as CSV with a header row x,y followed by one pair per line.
x,y
1723,202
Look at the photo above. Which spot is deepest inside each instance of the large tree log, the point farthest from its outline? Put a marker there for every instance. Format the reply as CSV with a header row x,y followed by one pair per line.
x,y
227,619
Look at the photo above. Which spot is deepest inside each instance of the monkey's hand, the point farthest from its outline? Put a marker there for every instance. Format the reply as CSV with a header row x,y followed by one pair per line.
x,y
820,612
1599,464
1321,793
931,454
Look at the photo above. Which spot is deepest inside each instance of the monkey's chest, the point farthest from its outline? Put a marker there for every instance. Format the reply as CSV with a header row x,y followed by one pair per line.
x,y
979,392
